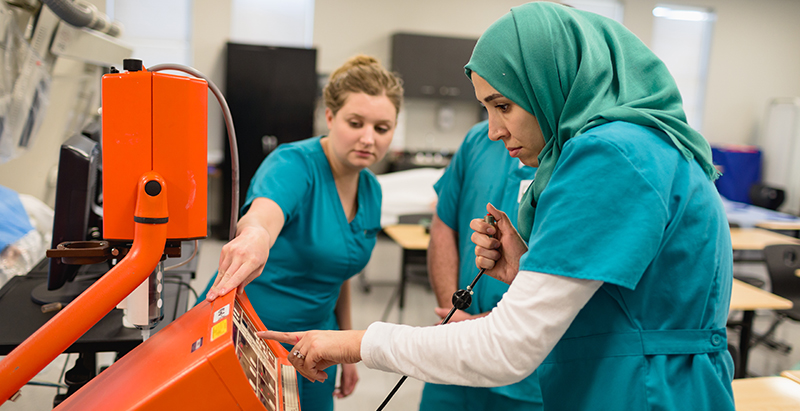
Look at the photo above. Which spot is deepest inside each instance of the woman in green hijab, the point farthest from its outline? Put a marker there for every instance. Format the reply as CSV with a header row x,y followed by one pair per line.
x,y
621,294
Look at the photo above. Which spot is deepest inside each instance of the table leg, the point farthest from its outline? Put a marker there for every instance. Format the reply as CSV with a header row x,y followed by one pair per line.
x,y
402,291
390,304
745,333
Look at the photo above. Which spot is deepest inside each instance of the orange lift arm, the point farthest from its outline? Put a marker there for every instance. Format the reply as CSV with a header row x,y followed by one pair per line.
x,y
149,238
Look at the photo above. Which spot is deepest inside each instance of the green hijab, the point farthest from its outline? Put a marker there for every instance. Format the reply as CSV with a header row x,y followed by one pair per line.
x,y
575,70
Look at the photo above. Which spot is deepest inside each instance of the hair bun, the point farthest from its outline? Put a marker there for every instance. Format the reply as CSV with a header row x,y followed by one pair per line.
x,y
361,74
360,60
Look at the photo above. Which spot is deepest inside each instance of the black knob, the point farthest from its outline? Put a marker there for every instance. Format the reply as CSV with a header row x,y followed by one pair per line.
x,y
132,64
152,188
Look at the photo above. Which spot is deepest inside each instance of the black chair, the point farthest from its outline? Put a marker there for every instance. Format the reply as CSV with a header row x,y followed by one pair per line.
x,y
749,279
765,196
782,260
735,355
421,219
415,262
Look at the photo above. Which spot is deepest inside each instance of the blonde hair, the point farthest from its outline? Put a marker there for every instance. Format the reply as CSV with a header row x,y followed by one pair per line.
x,y
361,74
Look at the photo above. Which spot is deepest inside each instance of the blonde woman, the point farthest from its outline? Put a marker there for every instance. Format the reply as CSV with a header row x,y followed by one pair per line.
x,y
311,217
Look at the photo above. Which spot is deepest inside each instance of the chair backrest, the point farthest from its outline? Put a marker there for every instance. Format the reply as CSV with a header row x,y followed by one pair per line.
x,y
767,197
782,262
422,218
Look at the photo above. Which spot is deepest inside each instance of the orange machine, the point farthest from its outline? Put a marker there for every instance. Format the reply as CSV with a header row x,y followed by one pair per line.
x,y
155,121
154,190
209,358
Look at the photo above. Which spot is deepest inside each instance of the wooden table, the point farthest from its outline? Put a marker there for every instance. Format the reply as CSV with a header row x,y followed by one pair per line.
x,y
409,236
747,298
793,375
779,225
413,237
766,393
755,239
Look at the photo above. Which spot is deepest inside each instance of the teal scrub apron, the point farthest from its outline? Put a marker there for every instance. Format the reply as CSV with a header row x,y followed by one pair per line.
x,y
316,251
481,172
624,207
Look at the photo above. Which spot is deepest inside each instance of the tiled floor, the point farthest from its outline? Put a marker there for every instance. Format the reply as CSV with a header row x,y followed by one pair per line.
x,y
369,307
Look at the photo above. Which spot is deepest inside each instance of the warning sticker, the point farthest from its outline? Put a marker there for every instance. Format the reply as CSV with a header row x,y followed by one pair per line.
x,y
219,329
221,313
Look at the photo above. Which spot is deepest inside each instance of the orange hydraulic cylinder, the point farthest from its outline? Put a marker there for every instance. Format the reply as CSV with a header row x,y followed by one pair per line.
x,y
149,239
155,121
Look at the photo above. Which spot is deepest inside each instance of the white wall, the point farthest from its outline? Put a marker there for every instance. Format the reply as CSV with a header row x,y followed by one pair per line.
x,y
755,53
211,26
754,57
343,28
348,27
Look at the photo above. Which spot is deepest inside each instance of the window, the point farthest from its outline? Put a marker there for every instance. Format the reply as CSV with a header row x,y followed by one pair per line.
x,y
156,37
288,23
682,39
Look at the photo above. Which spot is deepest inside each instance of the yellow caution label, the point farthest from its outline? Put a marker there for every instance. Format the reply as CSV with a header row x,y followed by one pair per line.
x,y
219,329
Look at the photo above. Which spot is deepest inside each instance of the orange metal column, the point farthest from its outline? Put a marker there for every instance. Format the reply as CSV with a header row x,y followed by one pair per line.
x,y
41,348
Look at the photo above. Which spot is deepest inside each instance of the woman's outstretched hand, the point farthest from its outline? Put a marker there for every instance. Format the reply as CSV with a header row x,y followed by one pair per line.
x,y
243,258
315,351
241,261
498,248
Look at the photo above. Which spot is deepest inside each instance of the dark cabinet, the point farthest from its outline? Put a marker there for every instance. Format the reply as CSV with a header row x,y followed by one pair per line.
x,y
271,92
433,66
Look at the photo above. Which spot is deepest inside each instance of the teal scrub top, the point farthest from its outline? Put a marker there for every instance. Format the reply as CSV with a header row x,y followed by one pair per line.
x,y
623,206
317,249
482,172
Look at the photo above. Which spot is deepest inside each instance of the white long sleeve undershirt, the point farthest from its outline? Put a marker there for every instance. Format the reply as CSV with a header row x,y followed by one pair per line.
x,y
499,349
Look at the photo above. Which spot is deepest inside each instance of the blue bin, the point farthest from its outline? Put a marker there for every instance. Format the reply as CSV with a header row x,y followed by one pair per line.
x,y
740,166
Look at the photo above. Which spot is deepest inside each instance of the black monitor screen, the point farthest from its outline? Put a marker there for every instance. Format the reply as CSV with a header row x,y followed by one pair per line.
x,y
76,191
